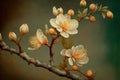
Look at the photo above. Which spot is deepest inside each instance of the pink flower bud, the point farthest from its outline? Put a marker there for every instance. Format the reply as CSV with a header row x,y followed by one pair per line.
x,y
109,14
70,12
12,36
83,3
24,29
92,7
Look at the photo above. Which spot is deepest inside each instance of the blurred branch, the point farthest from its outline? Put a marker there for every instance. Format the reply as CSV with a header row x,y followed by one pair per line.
x,y
37,63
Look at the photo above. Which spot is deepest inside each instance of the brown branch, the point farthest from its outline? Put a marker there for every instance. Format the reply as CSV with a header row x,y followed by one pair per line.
x,y
37,63
50,48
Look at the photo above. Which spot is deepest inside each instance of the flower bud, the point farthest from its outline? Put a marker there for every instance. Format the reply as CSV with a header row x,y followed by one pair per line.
x,y
57,11
92,18
75,68
24,29
109,14
52,31
83,3
89,73
60,10
0,37
92,7
12,36
70,12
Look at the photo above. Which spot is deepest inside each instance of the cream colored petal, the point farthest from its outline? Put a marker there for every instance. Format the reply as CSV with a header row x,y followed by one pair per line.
x,y
59,29
63,52
75,31
83,61
53,23
60,19
75,23
68,53
70,61
41,37
64,34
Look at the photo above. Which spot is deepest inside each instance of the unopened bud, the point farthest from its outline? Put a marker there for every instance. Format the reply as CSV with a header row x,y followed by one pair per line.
x,y
75,68
109,14
24,29
52,31
12,36
0,37
89,73
83,3
92,18
60,10
92,7
70,12
57,11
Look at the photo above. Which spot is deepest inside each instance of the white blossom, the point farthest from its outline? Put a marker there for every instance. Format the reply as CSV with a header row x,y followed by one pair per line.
x,y
65,25
38,40
77,55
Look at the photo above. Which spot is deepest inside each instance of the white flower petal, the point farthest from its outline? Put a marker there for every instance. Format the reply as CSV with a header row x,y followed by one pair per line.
x,y
53,23
59,29
60,19
68,53
75,23
75,31
64,34
83,61
70,61
63,52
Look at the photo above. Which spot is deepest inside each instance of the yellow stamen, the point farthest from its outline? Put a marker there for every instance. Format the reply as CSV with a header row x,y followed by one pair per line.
x,y
64,26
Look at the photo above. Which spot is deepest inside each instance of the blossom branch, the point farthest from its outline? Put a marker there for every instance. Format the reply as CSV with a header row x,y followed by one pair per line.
x,y
37,63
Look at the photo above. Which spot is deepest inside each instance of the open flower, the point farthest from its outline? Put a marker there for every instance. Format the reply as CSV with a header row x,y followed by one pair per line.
x,y
77,55
38,40
65,25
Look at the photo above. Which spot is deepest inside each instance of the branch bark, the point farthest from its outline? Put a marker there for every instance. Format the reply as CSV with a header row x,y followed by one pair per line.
x,y
37,63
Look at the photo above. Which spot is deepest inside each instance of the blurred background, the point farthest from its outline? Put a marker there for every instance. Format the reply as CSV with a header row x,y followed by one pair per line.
x,y
102,39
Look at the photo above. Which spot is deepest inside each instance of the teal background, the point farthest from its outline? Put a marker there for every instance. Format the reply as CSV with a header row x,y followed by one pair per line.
x,y
100,38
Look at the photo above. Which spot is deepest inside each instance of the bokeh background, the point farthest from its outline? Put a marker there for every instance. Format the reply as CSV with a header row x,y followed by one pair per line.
x,y
102,39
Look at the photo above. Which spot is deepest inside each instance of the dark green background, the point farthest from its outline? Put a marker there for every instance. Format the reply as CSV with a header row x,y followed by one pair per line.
x,y
102,39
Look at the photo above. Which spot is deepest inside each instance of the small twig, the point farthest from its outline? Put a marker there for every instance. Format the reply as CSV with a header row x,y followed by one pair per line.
x,y
50,48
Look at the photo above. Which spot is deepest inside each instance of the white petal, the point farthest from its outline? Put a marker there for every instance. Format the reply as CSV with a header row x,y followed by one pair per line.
x,y
41,37
83,61
75,23
60,19
70,61
75,31
59,29
63,52
64,34
53,23
68,53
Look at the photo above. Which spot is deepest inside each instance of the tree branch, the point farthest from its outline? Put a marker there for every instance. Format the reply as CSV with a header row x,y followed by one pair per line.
x,y
37,63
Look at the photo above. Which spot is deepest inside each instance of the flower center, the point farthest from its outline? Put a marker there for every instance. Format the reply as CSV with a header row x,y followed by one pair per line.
x,y
64,26
76,56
